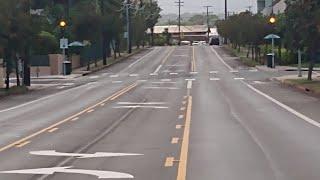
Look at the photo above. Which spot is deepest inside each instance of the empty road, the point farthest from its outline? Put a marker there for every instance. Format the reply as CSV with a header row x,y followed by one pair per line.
x,y
171,113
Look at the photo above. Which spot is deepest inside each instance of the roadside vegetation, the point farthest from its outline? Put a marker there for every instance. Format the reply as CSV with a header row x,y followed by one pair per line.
x,y
298,27
31,27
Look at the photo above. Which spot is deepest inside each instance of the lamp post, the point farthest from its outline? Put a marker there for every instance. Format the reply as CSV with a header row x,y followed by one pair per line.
x,y
63,45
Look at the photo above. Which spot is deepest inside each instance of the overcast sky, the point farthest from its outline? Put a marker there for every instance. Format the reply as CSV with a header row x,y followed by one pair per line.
x,y
196,6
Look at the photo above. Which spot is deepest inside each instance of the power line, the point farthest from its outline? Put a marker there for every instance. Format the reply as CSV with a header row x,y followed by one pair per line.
x,y
179,4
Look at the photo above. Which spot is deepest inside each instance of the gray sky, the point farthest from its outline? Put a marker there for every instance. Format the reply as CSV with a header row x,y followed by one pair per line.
x,y
196,6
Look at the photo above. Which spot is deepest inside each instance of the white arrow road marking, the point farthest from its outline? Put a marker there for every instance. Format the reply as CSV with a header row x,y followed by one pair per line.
x,y
50,171
82,156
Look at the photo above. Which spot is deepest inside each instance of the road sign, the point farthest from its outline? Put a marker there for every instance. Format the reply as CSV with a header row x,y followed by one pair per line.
x,y
64,43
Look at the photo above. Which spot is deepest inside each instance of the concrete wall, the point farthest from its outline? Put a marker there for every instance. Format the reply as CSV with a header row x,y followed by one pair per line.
x,y
56,61
75,60
41,71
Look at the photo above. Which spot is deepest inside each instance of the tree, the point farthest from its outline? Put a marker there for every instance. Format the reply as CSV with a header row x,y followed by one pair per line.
x,y
152,16
302,18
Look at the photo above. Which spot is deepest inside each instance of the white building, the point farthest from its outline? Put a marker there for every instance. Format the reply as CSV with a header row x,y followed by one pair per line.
x,y
278,7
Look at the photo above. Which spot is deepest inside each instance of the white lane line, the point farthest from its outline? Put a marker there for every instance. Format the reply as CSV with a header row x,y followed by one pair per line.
x,y
140,59
114,76
178,55
176,65
190,79
213,72
142,80
184,102
253,70
82,155
61,87
234,71
105,74
189,85
214,79
289,109
239,78
133,75
220,58
140,106
259,82
116,82
75,119
158,69
174,73
68,84
147,103
94,77
193,72
42,99
165,80
154,74
181,116
169,88
183,108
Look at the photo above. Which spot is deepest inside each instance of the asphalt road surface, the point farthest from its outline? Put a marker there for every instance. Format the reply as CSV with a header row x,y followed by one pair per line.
x,y
173,113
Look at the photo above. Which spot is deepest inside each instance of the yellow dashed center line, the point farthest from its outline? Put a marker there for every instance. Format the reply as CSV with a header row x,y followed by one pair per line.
x,y
26,140
53,130
23,144
75,119
182,169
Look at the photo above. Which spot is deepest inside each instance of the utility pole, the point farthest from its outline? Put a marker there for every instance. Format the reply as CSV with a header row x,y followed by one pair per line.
x,y
128,26
226,9
208,23
179,4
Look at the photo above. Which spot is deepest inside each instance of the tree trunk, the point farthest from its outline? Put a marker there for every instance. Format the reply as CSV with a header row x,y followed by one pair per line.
x,y
17,69
279,52
252,52
104,49
311,64
152,36
248,52
114,50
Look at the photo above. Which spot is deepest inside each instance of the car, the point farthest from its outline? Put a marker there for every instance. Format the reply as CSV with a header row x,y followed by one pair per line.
x,y
188,43
195,43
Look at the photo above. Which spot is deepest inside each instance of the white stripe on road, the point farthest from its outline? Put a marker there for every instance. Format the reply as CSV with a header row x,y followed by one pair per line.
x,y
157,70
114,76
289,109
220,58
173,73
213,72
238,78
170,88
147,103
93,77
214,79
140,106
116,82
193,72
190,79
165,80
189,85
133,75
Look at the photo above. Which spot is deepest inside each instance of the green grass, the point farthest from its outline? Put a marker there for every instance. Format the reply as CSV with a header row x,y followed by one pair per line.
x,y
313,86
305,65
13,90
243,57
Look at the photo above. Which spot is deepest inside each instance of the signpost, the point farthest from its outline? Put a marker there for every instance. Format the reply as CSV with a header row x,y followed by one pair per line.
x,y
272,37
64,45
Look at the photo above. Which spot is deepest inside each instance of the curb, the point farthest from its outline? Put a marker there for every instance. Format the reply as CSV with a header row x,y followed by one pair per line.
x,y
300,88
117,61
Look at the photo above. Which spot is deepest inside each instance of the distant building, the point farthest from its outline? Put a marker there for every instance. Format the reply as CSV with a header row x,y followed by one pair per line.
x,y
278,7
262,4
188,33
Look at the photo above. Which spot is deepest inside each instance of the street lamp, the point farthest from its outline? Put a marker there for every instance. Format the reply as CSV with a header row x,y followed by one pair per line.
x,y
272,20
63,45
62,24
